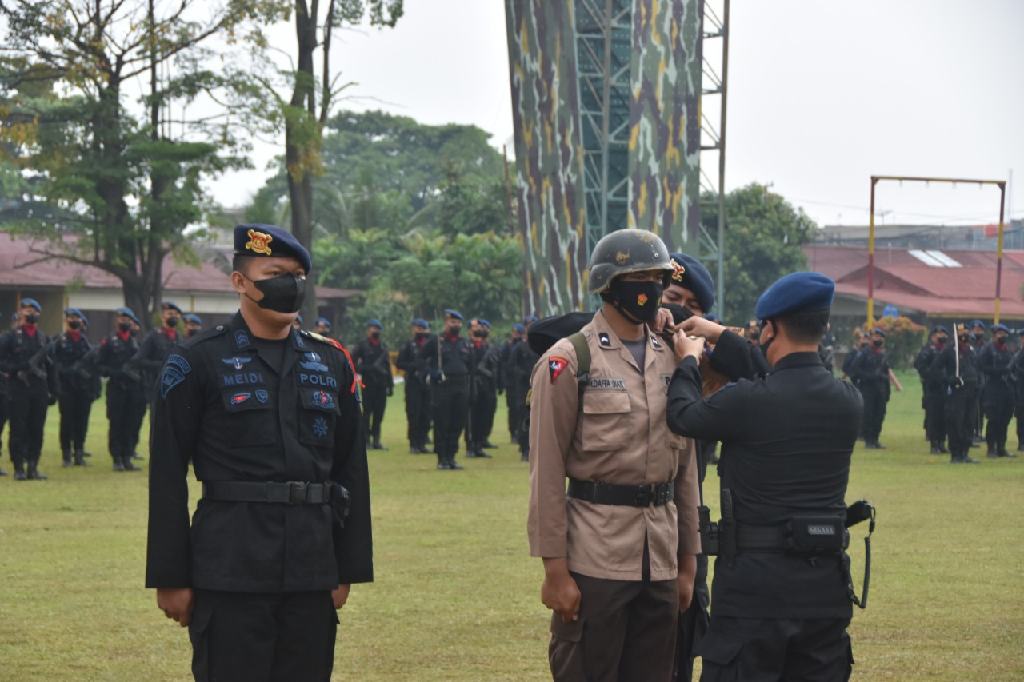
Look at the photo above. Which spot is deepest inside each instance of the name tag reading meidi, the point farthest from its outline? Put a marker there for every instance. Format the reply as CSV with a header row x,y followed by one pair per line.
x,y
821,530
600,384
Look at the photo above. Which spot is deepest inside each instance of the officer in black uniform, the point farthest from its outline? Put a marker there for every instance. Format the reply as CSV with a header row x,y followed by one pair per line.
x,y
516,336
781,608
373,363
957,365
268,418
193,324
156,346
521,360
483,390
3,414
124,388
978,341
412,360
994,362
322,326
933,389
32,387
870,372
448,363
76,386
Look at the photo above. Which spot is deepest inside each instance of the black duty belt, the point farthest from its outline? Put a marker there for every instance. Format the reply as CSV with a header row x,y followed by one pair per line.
x,y
276,492
656,494
797,535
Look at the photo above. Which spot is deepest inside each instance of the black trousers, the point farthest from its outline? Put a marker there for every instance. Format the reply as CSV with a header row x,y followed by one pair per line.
x,y
27,414
1018,413
417,412
74,405
482,406
626,630
999,413
125,416
245,637
375,399
768,650
875,397
935,415
450,401
514,404
961,420
693,623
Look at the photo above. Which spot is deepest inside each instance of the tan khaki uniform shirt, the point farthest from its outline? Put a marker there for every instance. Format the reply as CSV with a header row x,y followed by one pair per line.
x,y
619,436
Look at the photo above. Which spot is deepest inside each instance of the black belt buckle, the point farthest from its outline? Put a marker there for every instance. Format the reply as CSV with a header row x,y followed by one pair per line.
x,y
644,496
297,492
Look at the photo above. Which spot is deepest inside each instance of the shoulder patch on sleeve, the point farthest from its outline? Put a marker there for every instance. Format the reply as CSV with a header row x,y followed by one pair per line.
x,y
556,366
176,368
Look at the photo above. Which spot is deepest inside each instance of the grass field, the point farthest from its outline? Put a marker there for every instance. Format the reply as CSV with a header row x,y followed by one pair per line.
x,y
457,596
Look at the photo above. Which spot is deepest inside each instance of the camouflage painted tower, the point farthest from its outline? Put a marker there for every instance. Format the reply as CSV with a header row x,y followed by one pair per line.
x,y
605,104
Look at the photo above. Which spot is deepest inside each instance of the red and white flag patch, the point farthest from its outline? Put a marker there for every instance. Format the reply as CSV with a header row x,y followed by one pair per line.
x,y
556,366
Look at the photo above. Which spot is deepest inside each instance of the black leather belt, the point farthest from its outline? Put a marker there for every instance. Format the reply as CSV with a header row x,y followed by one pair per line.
x,y
656,494
276,492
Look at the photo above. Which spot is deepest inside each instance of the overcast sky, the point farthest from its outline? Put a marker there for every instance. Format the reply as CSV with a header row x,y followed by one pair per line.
x,y
821,96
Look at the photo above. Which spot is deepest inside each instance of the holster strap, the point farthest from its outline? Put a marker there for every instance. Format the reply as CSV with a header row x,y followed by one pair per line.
x,y
273,492
656,494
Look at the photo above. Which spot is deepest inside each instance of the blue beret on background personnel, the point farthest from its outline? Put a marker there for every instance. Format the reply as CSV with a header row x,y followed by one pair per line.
x,y
375,324
449,312
420,322
269,241
30,303
694,276
795,293
193,318
170,305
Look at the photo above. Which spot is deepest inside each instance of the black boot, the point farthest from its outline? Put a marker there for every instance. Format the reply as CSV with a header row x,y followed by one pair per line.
x,y
19,473
442,462
453,465
128,466
34,474
118,464
79,458
65,458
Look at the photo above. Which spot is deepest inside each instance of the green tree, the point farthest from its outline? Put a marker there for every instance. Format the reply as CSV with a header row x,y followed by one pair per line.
x,y
118,187
763,236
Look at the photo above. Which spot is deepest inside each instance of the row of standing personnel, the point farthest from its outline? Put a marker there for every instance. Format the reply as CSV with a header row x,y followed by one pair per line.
x,y
37,371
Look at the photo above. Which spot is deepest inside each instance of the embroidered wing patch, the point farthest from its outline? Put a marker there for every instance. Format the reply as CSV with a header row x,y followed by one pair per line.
x,y
556,366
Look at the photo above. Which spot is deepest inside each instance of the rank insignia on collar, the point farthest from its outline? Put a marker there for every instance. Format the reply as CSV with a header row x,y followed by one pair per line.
x,y
604,339
237,362
655,343
556,366
259,242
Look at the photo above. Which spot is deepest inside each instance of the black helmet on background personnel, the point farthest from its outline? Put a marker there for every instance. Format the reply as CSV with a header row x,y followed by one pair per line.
x,y
624,251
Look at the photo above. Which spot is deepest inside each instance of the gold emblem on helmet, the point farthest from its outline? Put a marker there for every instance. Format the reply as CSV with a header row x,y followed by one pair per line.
x,y
622,257
259,242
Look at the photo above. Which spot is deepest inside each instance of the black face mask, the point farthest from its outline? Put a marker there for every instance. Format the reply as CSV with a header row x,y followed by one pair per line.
x,y
125,326
282,294
74,324
191,332
940,343
31,319
171,322
374,335
637,301
480,334
1001,340
421,335
878,343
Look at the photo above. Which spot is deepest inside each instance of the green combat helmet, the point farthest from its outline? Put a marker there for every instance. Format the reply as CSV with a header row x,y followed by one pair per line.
x,y
625,251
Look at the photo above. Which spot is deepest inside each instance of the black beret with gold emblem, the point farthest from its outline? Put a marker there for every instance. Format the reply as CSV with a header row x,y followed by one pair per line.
x,y
264,241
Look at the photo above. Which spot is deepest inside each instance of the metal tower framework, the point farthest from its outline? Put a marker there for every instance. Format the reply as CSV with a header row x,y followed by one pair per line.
x,y
714,84
603,33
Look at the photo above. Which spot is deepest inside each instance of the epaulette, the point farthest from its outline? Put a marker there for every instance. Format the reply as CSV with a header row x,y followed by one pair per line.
x,y
203,335
340,346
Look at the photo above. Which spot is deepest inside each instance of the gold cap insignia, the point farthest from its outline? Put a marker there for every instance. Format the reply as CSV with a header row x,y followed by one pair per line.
x,y
622,257
677,271
259,242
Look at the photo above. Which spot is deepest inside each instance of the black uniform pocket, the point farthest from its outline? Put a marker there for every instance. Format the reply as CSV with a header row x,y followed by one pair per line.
x,y
318,414
199,635
251,421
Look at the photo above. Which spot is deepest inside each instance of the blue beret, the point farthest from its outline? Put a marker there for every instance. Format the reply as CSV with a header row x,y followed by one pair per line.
x,y
420,322
30,303
940,328
978,323
170,305
73,311
796,292
448,312
193,318
879,331
999,327
530,319
518,328
691,274
269,240
324,321
486,323
375,323
126,312
135,318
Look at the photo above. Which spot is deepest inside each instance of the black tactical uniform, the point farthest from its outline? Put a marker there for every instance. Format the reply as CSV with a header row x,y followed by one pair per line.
x,y
76,393
512,411
483,396
153,350
373,363
787,440
272,429
31,388
449,393
870,371
520,368
3,415
997,394
977,341
412,360
933,397
125,393
1017,369
961,398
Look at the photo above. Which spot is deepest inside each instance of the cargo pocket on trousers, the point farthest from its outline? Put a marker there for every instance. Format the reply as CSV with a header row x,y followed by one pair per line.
x,y
199,635
565,652
718,654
